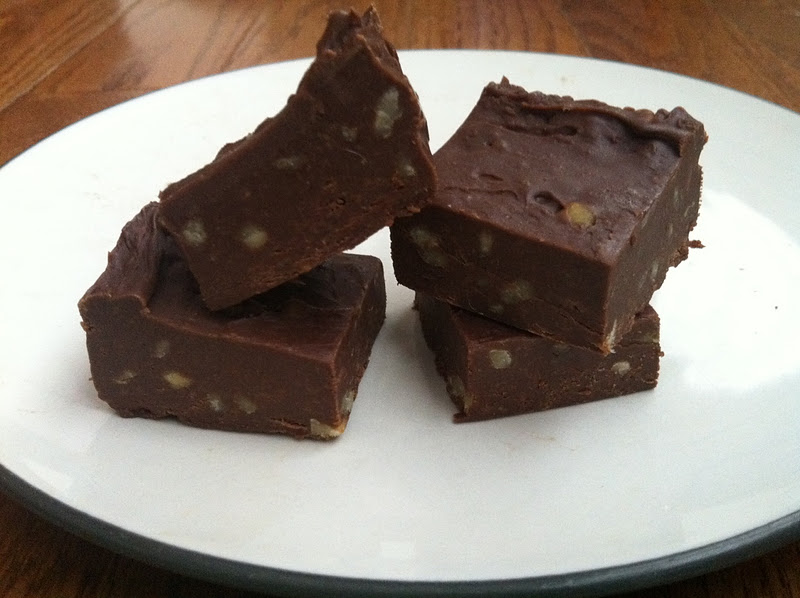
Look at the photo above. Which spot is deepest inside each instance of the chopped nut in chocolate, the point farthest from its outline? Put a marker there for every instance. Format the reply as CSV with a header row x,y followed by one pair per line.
x,y
347,154
286,361
557,216
493,370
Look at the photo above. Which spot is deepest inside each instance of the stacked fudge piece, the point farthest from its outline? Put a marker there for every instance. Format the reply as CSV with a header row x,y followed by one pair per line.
x,y
347,154
554,222
229,304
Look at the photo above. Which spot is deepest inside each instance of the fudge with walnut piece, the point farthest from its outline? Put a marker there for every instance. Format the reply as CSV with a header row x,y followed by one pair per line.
x,y
493,370
286,361
556,216
346,155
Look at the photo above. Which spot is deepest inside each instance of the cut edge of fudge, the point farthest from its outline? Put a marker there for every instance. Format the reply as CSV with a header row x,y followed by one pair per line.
x,y
521,245
156,351
346,155
492,370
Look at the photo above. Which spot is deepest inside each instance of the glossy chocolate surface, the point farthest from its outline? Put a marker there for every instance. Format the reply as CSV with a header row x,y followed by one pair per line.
x,y
554,215
493,370
347,154
287,361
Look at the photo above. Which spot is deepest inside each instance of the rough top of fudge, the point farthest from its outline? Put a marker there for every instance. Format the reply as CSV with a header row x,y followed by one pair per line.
x,y
344,26
346,155
581,174
307,314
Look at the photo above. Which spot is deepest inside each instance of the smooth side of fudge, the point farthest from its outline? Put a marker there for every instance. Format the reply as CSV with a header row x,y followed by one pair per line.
x,y
287,361
557,216
493,370
347,154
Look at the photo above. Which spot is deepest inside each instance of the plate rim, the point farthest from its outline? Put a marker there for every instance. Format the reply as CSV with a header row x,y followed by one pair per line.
x,y
260,578
669,568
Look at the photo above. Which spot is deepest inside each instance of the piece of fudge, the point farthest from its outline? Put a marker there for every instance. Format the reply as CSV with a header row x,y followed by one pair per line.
x,y
556,216
347,154
287,361
493,370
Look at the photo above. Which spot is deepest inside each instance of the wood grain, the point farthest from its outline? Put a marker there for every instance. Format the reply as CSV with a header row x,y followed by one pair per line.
x,y
111,55
38,36
61,61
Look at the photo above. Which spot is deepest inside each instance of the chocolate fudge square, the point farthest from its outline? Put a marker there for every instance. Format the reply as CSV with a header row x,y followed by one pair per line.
x,y
287,361
556,216
493,370
346,155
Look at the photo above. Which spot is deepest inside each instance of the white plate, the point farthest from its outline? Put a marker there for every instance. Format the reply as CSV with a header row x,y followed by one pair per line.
x,y
700,472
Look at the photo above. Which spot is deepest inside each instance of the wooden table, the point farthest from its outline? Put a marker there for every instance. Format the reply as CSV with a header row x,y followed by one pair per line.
x,y
61,61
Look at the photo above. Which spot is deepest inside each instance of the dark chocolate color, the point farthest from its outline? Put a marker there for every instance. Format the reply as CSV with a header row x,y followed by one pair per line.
x,y
347,154
493,370
288,361
557,216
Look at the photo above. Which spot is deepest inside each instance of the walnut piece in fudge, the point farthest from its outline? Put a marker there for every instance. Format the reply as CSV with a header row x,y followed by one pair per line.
x,y
347,154
493,370
286,361
557,216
